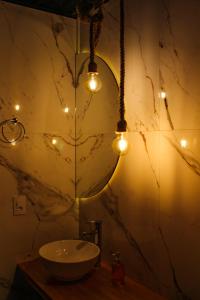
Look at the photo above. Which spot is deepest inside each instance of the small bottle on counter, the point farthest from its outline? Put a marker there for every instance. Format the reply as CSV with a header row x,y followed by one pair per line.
x,y
118,270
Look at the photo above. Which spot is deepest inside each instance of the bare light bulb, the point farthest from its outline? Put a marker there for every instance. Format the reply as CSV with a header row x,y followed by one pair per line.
x,y
184,143
163,95
120,143
93,83
66,109
54,141
17,107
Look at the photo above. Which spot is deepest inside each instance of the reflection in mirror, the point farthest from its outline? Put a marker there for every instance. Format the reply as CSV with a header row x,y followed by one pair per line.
x,y
96,119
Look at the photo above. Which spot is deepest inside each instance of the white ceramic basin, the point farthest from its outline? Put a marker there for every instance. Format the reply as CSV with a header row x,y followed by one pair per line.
x,y
69,260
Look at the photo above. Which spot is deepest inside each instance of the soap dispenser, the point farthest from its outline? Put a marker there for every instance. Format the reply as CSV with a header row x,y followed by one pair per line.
x,y
118,270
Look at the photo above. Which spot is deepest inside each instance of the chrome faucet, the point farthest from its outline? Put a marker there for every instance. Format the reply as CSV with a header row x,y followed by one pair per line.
x,y
94,235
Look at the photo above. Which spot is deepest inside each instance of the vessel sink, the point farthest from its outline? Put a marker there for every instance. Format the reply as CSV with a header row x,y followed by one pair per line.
x,y
69,260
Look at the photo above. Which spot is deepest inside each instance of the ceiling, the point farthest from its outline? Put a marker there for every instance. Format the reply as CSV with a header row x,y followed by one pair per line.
x,y
61,7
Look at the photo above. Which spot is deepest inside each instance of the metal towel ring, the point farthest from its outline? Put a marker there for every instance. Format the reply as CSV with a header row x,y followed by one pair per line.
x,y
20,136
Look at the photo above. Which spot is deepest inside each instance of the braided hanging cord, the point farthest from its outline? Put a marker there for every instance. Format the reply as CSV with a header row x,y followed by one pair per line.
x,y
92,67
122,123
92,41
95,31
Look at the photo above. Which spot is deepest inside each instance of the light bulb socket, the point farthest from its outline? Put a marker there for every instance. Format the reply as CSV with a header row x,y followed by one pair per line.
x,y
122,126
92,67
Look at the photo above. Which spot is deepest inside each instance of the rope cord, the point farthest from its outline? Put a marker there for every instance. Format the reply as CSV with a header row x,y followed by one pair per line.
x,y
91,41
122,62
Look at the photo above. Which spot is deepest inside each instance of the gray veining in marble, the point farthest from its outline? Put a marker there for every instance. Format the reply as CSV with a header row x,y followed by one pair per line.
x,y
158,180
150,207
46,201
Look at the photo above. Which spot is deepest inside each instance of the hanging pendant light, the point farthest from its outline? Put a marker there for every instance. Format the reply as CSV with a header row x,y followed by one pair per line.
x,y
93,83
120,143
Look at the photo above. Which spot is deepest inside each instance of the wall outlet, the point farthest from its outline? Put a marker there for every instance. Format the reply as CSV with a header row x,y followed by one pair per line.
x,y
19,205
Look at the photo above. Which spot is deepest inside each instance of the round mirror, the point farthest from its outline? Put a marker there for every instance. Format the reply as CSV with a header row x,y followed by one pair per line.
x,y
96,121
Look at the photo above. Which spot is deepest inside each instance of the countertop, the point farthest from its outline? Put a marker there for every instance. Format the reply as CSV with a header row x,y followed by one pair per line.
x,y
95,286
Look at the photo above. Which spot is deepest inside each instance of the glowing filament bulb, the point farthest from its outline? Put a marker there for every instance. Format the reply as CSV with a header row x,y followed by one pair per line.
x,y
184,143
54,141
123,144
93,83
17,107
120,144
163,95
66,109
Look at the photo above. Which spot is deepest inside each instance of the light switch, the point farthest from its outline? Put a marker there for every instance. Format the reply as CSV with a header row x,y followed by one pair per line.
x,y
19,205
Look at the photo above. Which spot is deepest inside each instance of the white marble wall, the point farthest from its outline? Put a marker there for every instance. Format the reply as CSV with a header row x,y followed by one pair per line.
x,y
37,67
150,208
